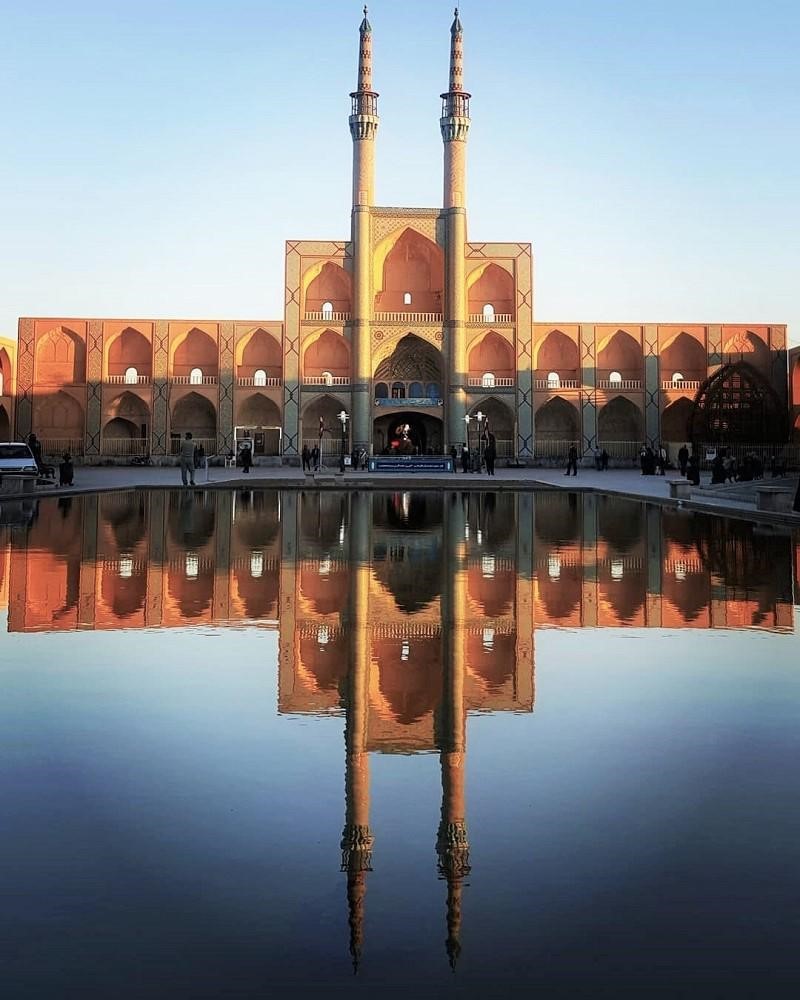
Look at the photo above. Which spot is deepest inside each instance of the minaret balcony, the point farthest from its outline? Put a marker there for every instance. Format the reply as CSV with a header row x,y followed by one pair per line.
x,y
409,317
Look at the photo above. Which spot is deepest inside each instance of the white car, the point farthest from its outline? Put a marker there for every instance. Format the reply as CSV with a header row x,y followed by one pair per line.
x,y
16,458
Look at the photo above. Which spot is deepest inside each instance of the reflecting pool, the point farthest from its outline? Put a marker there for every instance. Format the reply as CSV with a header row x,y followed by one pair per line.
x,y
342,743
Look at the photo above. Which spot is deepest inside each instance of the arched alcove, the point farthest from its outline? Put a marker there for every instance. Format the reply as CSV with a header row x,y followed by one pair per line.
x,y
675,420
410,676
738,405
259,351
331,286
620,420
557,353
258,411
196,350
414,265
747,346
501,424
5,424
412,360
194,413
557,420
127,417
492,353
58,416
327,407
685,355
329,352
623,354
495,288
130,349
61,358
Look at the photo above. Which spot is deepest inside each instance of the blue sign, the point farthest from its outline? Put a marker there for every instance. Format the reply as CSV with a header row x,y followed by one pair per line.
x,y
414,401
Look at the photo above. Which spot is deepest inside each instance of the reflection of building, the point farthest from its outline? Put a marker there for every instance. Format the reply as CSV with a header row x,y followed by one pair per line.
x,y
404,322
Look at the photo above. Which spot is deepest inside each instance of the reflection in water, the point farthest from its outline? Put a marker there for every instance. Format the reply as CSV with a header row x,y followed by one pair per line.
x,y
401,611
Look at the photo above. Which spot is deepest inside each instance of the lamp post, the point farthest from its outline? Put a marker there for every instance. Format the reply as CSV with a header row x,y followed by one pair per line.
x,y
343,417
480,417
467,419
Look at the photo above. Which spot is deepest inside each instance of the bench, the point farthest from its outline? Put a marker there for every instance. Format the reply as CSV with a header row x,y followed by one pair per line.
x,y
680,489
773,498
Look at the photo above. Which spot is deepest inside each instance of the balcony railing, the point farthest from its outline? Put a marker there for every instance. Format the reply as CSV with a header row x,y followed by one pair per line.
x,y
193,380
125,447
564,383
126,380
327,317
326,380
683,383
408,317
209,445
617,384
249,381
488,320
493,383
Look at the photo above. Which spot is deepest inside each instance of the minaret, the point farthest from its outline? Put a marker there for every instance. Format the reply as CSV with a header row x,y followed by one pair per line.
x,y
454,124
363,127
452,844
357,836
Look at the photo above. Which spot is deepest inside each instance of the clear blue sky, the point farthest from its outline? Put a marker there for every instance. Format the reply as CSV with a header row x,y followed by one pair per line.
x,y
155,155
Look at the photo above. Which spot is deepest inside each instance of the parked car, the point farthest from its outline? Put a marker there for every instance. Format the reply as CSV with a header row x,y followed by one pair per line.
x,y
16,458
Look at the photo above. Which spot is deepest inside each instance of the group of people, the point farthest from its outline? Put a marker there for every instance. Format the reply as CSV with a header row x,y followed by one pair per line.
x,y
654,461
726,468
66,467
310,458
475,460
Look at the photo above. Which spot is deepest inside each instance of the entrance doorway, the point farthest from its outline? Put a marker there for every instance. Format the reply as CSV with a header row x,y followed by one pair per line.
x,y
407,432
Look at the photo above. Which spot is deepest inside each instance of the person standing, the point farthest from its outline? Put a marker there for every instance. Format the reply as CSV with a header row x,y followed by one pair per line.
x,y
572,461
490,453
247,459
683,459
306,456
603,460
464,458
187,460
315,458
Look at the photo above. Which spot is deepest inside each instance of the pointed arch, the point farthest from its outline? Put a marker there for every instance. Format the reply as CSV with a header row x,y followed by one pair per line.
x,y
501,418
409,263
129,349
492,353
675,420
413,359
738,405
684,354
620,420
328,407
621,352
6,372
326,351
559,353
5,424
61,358
741,344
58,415
327,282
127,417
557,420
490,285
258,350
194,413
257,410
197,349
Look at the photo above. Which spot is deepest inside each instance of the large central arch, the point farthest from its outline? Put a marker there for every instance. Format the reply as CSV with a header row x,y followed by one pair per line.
x,y
413,371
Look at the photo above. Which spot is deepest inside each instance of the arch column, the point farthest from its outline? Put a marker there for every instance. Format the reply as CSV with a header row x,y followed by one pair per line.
x,y
455,318
94,387
588,362
361,354
158,427
652,387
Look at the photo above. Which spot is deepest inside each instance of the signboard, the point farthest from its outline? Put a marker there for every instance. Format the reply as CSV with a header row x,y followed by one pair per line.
x,y
411,463
413,402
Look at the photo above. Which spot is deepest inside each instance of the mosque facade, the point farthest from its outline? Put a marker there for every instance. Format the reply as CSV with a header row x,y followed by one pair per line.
x,y
405,323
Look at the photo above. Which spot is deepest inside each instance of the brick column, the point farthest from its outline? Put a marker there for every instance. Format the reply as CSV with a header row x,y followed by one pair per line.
x,y
652,387
225,383
292,444
589,388
23,410
524,336
159,439
94,388
589,560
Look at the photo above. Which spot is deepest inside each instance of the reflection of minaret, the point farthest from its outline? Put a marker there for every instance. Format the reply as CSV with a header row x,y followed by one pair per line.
x,y
357,836
452,845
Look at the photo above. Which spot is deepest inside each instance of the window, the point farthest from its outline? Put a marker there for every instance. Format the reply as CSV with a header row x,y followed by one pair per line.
x,y
328,378
381,391
677,377
406,298
327,310
553,380
131,376
398,390
488,311
615,377
488,380
191,565
260,377
256,564
415,391
433,391
196,376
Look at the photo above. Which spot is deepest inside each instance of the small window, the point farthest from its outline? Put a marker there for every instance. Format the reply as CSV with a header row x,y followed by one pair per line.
x,y
433,391
131,377
415,391
327,310
677,377
406,298
196,376
381,391
488,380
398,390
260,377
553,380
615,377
488,311
328,378
256,564
191,566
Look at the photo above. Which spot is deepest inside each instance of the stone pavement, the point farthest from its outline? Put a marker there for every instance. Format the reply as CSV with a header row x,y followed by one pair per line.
x,y
626,482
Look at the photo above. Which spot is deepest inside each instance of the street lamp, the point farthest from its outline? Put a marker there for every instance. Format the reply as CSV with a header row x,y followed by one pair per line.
x,y
467,419
480,417
343,417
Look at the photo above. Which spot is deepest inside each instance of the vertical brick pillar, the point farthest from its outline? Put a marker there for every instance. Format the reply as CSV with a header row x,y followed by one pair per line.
x,y
94,388
292,445
588,355
24,380
524,671
223,521
154,606
287,607
525,444
225,384
87,587
652,387
589,560
654,567
159,440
